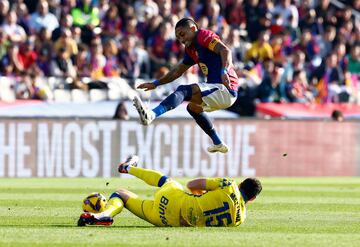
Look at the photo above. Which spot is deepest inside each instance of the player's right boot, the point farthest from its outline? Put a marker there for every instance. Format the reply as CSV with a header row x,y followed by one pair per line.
x,y
132,160
222,148
146,115
91,219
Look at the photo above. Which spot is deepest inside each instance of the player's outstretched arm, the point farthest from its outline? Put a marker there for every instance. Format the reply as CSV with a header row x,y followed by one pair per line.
x,y
172,75
197,186
226,59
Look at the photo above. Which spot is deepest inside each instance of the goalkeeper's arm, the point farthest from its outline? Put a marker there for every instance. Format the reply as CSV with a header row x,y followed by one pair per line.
x,y
199,186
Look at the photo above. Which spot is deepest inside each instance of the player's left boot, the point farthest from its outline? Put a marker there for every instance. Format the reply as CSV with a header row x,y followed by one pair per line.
x,y
146,115
222,148
132,160
90,219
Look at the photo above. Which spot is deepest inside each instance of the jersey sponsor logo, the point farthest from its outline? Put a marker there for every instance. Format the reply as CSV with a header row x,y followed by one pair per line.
x,y
162,206
204,69
237,206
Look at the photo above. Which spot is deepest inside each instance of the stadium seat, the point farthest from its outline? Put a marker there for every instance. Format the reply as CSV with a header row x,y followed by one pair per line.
x,y
98,94
79,96
7,93
62,95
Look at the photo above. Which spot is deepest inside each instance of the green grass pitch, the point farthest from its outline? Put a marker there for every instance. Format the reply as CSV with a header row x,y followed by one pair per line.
x,y
289,212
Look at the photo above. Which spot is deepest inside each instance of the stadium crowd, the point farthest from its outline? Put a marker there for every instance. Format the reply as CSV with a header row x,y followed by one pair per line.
x,y
283,50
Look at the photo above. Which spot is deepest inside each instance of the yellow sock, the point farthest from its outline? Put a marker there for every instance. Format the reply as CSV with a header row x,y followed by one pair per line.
x,y
113,206
150,177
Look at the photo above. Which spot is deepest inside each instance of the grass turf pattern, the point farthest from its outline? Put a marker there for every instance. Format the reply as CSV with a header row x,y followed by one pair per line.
x,y
289,212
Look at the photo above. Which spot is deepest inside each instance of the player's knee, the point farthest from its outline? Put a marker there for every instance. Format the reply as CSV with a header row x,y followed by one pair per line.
x,y
194,109
186,90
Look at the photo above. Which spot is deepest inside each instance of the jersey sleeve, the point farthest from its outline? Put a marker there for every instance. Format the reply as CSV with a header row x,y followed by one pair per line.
x,y
207,39
215,183
187,60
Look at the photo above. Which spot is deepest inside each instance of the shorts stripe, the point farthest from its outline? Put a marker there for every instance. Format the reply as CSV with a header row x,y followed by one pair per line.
x,y
162,180
207,92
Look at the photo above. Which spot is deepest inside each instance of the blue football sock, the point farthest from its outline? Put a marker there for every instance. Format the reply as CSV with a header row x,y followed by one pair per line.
x,y
159,110
182,93
204,122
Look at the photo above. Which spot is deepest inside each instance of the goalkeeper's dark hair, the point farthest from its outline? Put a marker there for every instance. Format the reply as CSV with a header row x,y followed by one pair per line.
x,y
186,22
251,187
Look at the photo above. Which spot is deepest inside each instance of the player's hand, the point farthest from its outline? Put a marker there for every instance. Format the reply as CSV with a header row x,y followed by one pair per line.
x,y
225,79
197,191
147,86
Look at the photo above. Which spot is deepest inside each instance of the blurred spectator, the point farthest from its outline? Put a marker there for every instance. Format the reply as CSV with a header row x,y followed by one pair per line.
x,y
131,27
260,49
43,43
235,14
43,64
4,9
9,62
86,16
162,46
82,61
14,31
103,6
62,66
130,68
298,90
237,46
286,9
353,59
111,24
43,18
4,43
309,47
327,42
268,90
97,59
121,112
325,13
179,9
112,67
145,7
331,81
66,21
23,16
277,45
165,7
67,42
212,12
27,57
253,14
31,87
337,115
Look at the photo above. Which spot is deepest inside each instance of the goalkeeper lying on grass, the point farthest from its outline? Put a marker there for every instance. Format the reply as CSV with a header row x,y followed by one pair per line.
x,y
213,201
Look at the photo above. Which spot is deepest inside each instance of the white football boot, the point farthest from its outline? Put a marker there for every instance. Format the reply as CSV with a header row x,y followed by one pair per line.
x,y
222,148
146,115
132,160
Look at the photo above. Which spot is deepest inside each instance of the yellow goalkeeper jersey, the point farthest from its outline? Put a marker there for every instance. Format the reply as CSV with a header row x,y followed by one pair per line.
x,y
221,205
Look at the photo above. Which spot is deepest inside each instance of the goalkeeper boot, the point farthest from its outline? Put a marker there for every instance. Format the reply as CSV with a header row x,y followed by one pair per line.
x,y
91,219
146,115
132,160
222,148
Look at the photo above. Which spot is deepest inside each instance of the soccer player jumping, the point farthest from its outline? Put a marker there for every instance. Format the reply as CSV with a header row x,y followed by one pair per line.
x,y
217,202
202,47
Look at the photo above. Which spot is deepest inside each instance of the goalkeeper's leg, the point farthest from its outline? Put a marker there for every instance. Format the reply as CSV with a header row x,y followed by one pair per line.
x,y
151,177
